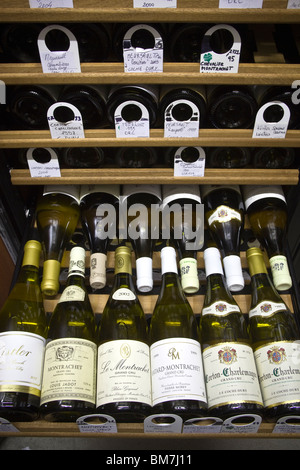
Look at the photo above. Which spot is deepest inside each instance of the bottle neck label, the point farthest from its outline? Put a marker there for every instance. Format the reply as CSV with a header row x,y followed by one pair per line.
x,y
266,309
72,294
124,294
220,308
230,375
123,372
279,372
224,214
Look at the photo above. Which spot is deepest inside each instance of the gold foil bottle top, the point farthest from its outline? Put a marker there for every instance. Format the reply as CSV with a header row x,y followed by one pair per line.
x,y
50,282
123,260
256,261
32,253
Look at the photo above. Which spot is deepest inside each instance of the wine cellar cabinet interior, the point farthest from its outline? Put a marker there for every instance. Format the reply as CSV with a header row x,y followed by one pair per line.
x,y
268,71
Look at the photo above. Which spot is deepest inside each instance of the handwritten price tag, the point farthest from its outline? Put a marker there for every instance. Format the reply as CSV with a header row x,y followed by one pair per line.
x,y
240,3
293,4
154,3
51,3
72,129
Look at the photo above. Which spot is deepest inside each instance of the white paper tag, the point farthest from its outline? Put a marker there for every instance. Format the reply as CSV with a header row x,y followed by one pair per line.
x,y
108,425
51,3
174,128
232,426
155,4
6,426
59,61
293,4
166,423
65,130
143,60
271,130
287,424
2,92
135,128
202,425
192,168
240,3
48,169
227,62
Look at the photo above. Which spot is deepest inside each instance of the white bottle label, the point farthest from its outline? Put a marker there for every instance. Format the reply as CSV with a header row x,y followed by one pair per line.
x,y
220,308
177,370
230,374
123,372
267,308
69,370
21,362
278,370
71,294
123,294
224,214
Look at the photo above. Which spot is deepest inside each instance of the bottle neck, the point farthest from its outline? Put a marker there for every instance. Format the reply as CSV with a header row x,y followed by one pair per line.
x,y
261,284
31,261
76,273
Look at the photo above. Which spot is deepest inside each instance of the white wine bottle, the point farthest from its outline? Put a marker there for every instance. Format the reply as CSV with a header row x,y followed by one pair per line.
x,y
23,330
176,362
99,206
230,373
267,211
69,379
124,382
224,215
57,215
275,339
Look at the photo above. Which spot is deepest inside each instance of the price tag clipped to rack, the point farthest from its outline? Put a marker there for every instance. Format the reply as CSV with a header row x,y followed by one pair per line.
x,y
2,92
240,3
163,423
46,166
287,424
189,161
65,121
139,60
272,121
132,120
293,4
207,425
59,61
174,126
225,62
154,3
248,423
6,426
51,3
97,423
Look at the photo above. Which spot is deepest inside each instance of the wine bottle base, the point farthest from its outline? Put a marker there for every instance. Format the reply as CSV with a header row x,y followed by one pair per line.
x,y
186,409
289,409
19,407
235,409
65,411
126,412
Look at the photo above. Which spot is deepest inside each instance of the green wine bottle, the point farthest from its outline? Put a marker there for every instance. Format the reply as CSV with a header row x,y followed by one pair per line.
x,y
176,362
230,372
69,380
124,383
57,215
23,329
275,340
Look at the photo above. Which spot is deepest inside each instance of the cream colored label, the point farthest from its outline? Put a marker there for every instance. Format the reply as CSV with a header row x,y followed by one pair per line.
x,y
224,214
123,372
220,308
71,294
230,375
177,370
266,309
21,362
123,294
69,370
278,367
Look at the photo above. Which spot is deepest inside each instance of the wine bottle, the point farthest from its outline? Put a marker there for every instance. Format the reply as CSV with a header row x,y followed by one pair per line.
x,y
23,330
124,382
275,339
28,104
176,363
226,348
273,157
131,96
19,42
224,215
230,107
93,40
142,231
267,212
90,100
69,378
99,206
228,157
182,202
57,215
135,157
182,110
83,157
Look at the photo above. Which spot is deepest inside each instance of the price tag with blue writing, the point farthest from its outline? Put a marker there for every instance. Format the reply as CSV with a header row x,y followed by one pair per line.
x,y
51,3
272,121
137,59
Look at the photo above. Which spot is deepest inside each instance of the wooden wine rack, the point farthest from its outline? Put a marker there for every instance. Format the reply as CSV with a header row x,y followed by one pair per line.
x,y
269,69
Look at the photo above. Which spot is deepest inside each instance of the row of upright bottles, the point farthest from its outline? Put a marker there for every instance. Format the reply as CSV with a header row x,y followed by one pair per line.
x,y
104,42
219,106
218,366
